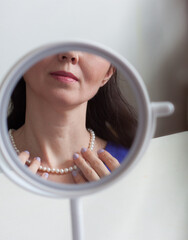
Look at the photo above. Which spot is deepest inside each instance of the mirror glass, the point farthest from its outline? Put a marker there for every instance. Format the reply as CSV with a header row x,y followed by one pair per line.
x,y
72,118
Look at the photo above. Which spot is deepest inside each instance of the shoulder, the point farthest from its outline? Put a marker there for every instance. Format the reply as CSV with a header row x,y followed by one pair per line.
x,y
117,151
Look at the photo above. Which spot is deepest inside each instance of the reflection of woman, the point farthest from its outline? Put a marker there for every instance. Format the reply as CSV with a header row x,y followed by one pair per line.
x,y
65,95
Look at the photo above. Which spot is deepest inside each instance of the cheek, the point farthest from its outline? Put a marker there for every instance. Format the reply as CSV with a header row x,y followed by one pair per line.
x,y
34,77
30,75
95,75
37,72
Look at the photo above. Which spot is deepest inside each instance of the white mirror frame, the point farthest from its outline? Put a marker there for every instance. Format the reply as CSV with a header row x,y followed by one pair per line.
x,y
147,113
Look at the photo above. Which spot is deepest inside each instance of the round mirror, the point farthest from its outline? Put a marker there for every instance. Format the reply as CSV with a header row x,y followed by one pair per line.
x,y
75,117
69,109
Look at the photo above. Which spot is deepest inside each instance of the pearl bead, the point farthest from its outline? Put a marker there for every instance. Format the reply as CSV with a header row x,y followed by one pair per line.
x,y
53,170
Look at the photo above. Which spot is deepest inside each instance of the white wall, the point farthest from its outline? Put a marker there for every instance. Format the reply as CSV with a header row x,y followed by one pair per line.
x,y
149,33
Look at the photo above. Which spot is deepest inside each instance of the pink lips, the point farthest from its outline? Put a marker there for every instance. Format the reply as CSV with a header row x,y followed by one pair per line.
x,y
64,76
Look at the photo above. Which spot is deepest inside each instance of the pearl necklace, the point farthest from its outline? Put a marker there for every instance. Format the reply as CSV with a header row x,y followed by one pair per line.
x,y
55,170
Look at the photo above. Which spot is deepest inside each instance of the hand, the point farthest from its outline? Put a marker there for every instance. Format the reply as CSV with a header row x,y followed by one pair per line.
x,y
35,163
92,167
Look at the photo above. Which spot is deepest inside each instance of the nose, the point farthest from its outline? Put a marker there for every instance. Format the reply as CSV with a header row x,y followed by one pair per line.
x,y
71,57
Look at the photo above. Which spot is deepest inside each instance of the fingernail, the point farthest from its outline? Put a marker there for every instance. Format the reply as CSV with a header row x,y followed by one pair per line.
x,y
45,175
27,152
100,151
38,159
83,150
75,156
74,173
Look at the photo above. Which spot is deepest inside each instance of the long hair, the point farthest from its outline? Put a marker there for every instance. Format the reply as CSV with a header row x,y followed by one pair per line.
x,y
108,113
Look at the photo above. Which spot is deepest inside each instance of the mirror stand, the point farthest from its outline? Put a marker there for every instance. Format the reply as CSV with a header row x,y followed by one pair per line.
x,y
148,113
77,219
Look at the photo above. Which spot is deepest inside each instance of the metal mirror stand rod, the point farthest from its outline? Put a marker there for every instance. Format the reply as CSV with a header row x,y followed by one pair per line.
x,y
77,219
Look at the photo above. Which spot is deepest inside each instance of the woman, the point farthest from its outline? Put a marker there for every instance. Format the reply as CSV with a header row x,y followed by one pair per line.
x,y
67,95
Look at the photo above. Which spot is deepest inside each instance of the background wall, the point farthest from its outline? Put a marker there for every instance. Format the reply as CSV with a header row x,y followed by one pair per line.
x,y
151,34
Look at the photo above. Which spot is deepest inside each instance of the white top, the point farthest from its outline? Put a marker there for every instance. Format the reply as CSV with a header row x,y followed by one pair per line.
x,y
151,202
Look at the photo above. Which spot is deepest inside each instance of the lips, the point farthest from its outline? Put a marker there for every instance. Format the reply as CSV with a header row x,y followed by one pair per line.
x,y
63,74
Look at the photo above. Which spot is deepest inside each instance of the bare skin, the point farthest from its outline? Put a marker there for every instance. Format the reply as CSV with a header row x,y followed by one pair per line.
x,y
85,163
91,167
96,168
55,121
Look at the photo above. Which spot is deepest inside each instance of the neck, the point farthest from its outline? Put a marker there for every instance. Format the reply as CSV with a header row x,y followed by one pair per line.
x,y
54,134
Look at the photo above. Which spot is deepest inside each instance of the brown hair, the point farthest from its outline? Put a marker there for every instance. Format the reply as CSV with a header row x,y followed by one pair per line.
x,y
108,113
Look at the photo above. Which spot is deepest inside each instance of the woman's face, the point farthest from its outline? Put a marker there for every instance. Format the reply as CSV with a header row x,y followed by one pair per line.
x,y
71,78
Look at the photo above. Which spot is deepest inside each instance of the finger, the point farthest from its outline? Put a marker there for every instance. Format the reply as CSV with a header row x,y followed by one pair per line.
x,y
45,175
24,156
35,164
111,162
95,162
87,170
78,178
